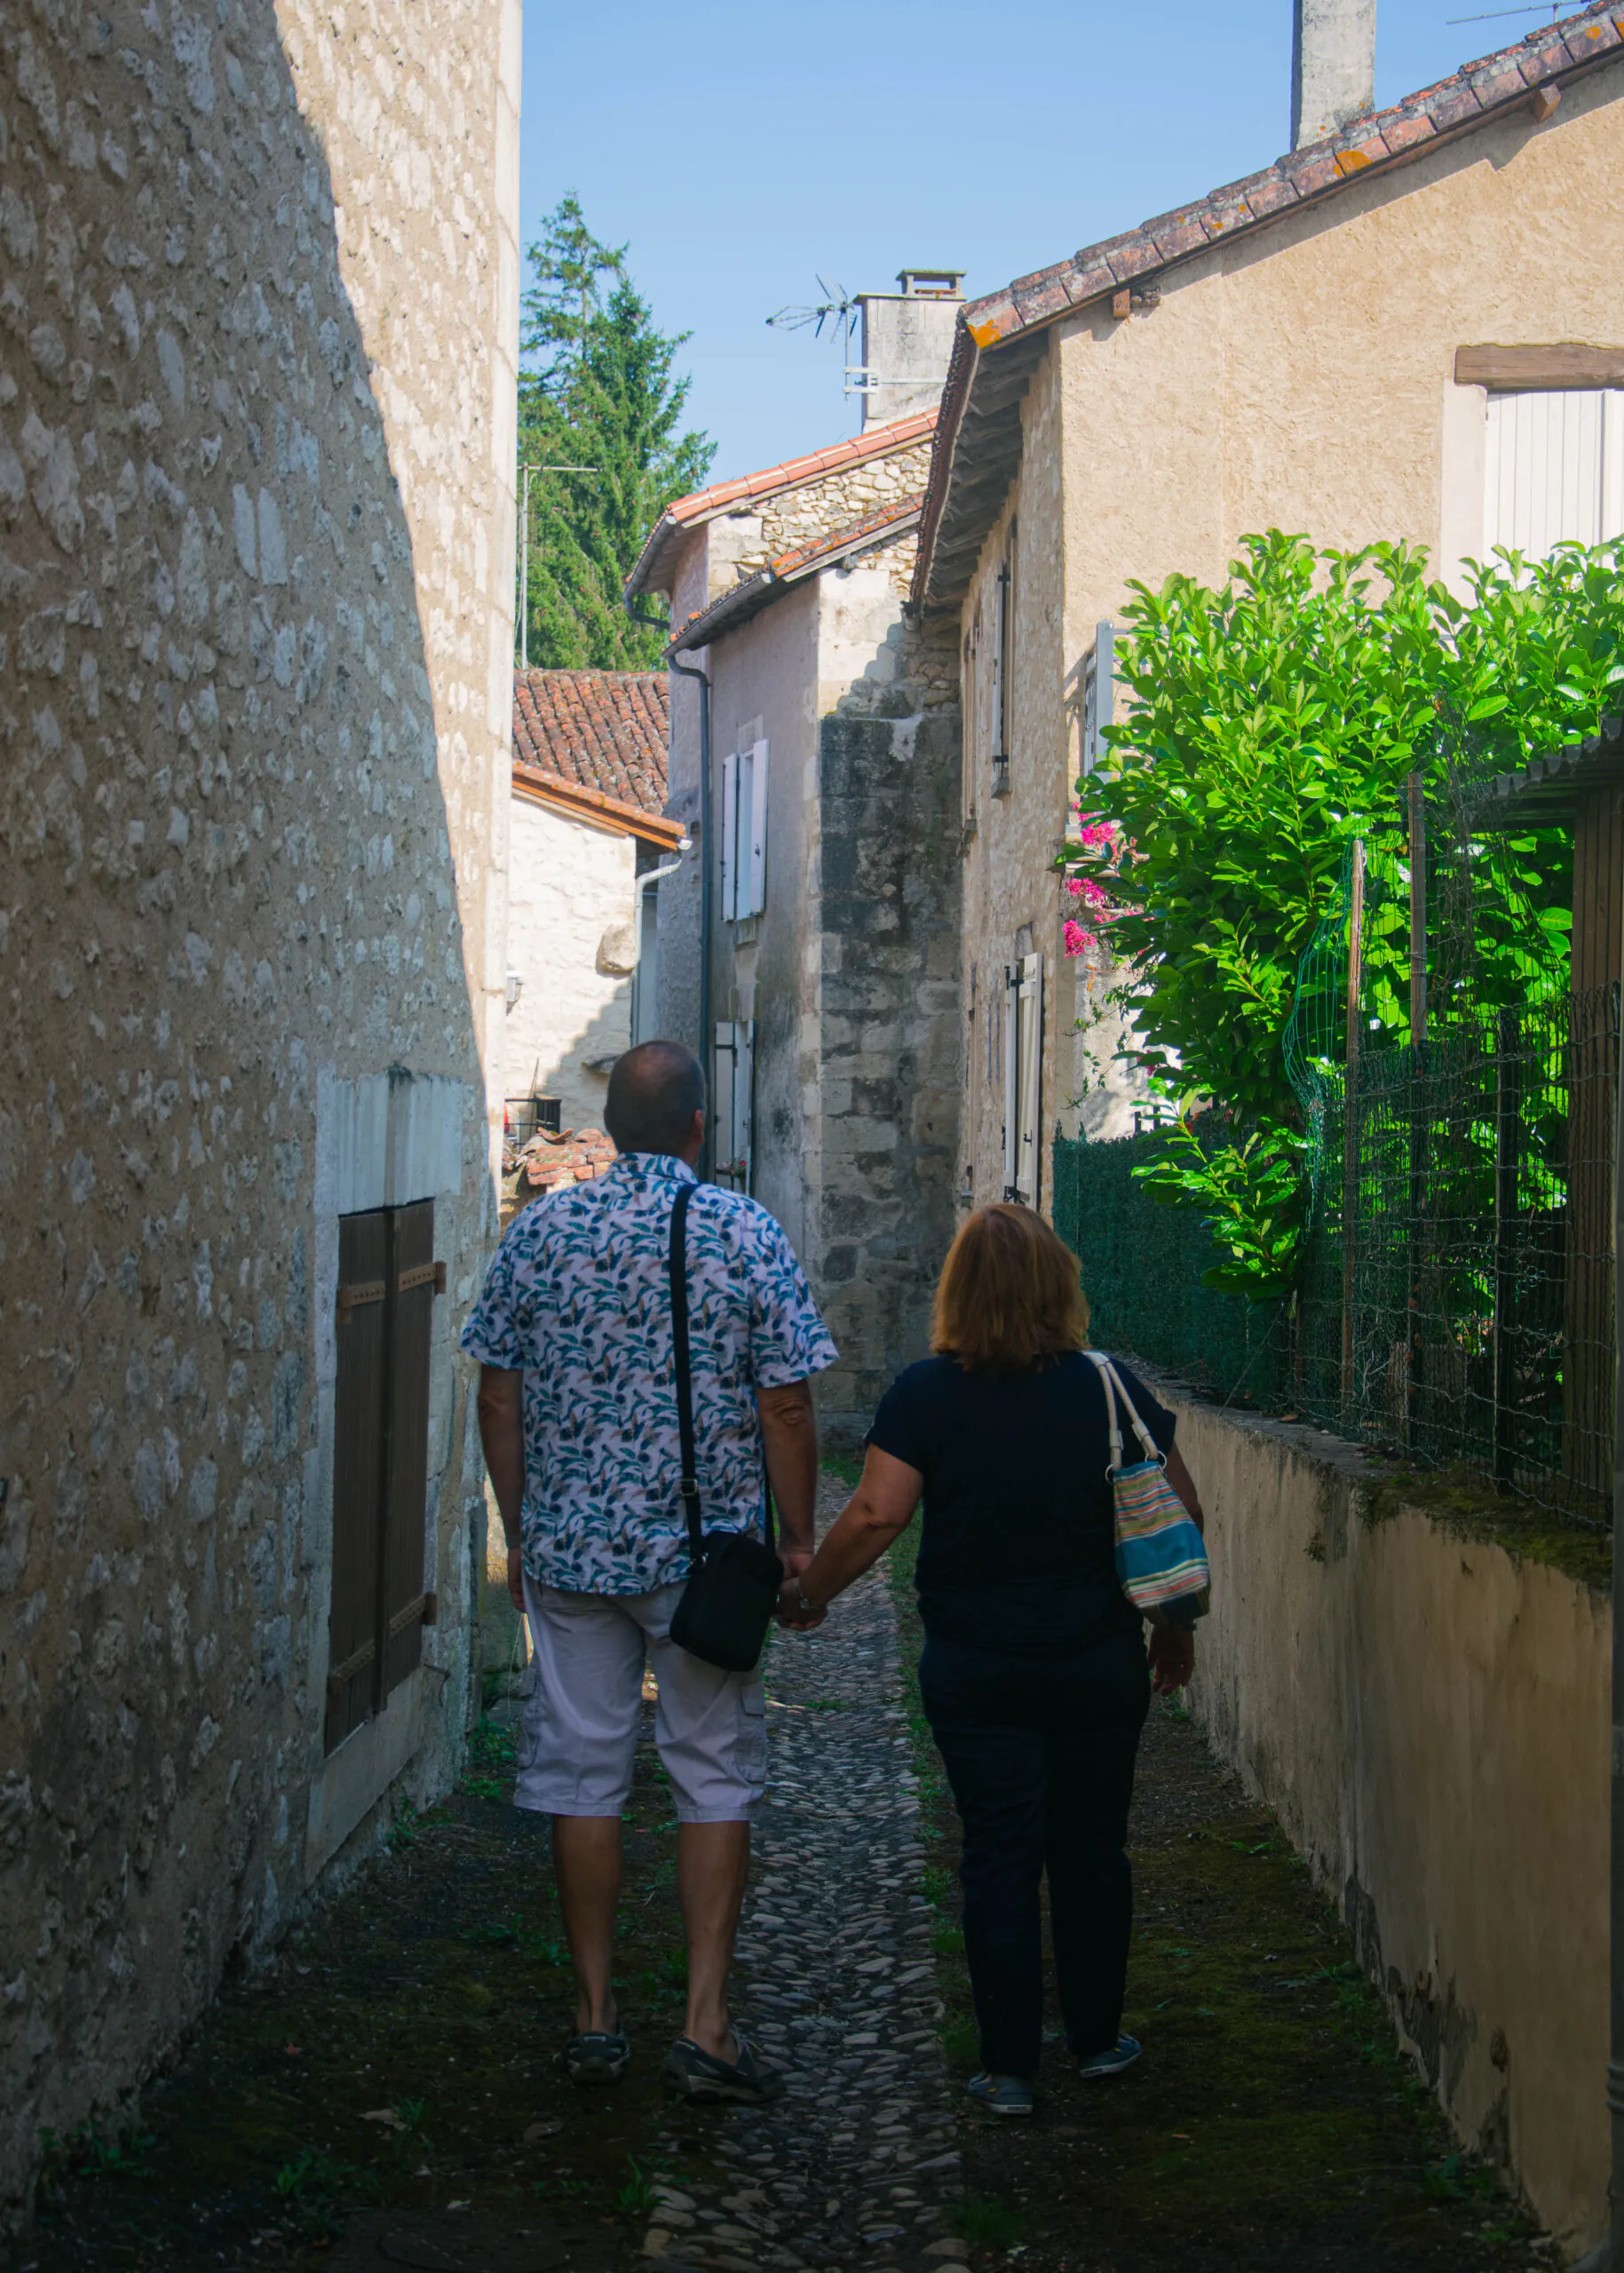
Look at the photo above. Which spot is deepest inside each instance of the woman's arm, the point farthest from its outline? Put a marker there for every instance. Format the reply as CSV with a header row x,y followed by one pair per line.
x,y
1183,1484
877,1510
1172,1650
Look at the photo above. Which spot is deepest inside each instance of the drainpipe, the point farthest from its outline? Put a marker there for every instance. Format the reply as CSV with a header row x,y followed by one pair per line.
x,y
692,670
640,884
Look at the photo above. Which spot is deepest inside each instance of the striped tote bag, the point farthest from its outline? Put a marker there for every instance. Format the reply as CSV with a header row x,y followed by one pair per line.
x,y
1160,1556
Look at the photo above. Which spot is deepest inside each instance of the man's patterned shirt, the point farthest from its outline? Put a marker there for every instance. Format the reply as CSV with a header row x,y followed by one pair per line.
x,y
578,1298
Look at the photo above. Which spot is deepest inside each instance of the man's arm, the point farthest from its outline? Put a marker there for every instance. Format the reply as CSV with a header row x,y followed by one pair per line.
x,y
501,1433
789,1436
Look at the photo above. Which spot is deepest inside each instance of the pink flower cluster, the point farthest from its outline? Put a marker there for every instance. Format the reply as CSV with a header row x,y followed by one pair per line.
x,y
1092,837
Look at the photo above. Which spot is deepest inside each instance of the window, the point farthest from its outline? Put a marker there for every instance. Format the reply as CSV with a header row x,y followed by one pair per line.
x,y
1553,468
1099,695
387,1282
967,739
744,832
733,1102
1023,1078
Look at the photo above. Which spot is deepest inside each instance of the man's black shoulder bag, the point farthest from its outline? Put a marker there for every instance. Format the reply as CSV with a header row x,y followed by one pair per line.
x,y
734,1581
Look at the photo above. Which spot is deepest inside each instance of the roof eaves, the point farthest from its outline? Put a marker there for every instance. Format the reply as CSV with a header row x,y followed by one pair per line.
x,y
692,512
1386,139
593,804
751,594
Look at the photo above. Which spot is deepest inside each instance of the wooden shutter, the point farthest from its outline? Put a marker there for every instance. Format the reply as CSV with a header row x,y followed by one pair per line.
x,y
1012,1081
387,1282
755,820
1099,695
358,1470
403,1600
744,1100
1030,1033
730,835
1554,469
722,1135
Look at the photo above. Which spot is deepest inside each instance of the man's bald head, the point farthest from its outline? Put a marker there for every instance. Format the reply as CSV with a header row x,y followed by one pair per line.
x,y
655,1092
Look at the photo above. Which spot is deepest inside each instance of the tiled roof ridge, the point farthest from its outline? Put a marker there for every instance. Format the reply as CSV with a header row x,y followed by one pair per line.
x,y
790,567
635,818
1403,131
1399,130
790,473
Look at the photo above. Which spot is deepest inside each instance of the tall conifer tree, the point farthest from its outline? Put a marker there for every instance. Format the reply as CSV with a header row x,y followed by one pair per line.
x,y
601,392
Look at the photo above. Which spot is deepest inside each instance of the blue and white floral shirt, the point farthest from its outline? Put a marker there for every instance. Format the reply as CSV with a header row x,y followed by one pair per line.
x,y
578,1298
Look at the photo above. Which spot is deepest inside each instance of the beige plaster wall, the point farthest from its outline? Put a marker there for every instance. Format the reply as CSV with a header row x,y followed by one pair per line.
x,y
1302,380
570,942
256,475
1429,1717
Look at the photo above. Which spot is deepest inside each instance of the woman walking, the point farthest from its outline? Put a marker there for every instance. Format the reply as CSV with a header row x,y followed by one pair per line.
x,y
1034,1674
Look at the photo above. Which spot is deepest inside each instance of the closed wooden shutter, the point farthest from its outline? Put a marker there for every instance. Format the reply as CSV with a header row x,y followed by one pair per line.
x,y
1030,1031
754,822
730,836
1011,1078
387,1282
358,1470
1555,468
411,1328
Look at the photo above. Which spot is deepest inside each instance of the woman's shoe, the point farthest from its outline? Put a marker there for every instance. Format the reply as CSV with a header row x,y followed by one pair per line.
x,y
1122,2055
597,2056
1001,2095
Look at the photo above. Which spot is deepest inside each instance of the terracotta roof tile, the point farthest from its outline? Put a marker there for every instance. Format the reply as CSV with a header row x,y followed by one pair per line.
x,y
602,731
1494,84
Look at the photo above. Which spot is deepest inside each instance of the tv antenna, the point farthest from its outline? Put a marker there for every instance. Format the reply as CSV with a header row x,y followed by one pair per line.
x,y
1537,9
839,311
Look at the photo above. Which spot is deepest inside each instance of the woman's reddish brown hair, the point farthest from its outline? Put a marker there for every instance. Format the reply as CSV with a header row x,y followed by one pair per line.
x,y
1011,1294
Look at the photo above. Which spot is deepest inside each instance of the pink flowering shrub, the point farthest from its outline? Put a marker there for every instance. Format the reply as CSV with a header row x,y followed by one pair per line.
x,y
1098,837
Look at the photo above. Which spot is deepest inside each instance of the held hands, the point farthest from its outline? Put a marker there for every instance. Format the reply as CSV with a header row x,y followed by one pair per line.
x,y
1172,1655
791,1615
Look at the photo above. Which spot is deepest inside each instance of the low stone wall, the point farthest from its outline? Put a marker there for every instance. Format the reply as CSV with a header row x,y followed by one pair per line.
x,y
1428,1716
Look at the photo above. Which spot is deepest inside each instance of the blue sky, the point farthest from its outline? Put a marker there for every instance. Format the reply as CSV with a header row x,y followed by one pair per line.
x,y
743,148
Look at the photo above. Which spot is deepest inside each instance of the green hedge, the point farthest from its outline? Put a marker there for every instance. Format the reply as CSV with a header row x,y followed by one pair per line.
x,y
1142,1267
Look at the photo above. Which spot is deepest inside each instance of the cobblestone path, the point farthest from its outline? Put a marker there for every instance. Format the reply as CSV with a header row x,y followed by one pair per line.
x,y
852,2167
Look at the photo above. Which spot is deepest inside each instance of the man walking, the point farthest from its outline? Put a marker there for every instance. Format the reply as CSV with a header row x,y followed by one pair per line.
x,y
578,1418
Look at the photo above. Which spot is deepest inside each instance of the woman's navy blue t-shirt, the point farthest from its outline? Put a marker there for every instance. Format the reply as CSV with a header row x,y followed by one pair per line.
x,y
1018,1555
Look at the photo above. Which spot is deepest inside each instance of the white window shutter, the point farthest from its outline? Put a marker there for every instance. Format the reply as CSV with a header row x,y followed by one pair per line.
x,y
1553,468
754,888
1098,695
1011,1084
730,835
1029,1154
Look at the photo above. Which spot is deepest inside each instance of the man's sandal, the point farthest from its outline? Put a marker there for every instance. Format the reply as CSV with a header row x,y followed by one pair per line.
x,y
700,2075
597,2056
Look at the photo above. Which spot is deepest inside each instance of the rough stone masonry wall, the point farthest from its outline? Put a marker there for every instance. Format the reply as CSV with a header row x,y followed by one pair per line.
x,y
256,319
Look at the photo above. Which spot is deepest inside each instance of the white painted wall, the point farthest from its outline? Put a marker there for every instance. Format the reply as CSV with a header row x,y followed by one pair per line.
x,y
569,891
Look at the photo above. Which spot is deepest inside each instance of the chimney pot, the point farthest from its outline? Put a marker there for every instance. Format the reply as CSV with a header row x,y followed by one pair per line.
x,y
1332,66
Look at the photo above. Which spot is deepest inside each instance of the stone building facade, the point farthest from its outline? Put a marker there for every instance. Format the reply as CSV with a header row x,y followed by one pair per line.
x,y
1393,332
832,837
256,418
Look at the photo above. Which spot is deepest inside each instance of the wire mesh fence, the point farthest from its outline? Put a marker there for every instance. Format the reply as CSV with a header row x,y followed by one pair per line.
x,y
1142,1268
1456,1302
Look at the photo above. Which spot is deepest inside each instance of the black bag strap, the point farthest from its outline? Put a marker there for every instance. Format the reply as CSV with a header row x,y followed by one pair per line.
x,y
688,1482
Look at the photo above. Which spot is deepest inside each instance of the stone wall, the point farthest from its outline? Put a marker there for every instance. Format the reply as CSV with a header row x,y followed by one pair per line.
x,y
570,942
1429,1716
256,472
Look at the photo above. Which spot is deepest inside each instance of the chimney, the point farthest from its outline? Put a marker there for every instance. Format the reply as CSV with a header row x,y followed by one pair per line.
x,y
1332,66
908,340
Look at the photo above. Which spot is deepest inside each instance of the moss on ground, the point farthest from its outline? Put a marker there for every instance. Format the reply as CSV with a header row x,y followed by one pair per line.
x,y
1272,2123
402,2052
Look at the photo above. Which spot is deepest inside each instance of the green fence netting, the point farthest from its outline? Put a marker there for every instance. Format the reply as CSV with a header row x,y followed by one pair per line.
x,y
1142,1266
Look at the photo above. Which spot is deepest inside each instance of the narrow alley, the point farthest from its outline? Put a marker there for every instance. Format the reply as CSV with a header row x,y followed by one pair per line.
x,y
391,2091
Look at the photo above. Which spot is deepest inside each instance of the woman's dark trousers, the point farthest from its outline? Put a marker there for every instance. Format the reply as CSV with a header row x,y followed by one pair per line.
x,y
1040,1753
